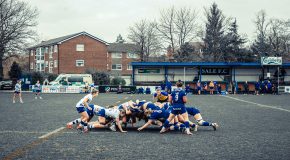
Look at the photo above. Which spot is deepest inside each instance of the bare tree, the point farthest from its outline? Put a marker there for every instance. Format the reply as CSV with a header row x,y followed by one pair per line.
x,y
177,27
17,21
144,34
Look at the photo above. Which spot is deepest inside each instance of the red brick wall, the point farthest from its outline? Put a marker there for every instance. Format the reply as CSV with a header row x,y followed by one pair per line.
x,y
125,61
94,55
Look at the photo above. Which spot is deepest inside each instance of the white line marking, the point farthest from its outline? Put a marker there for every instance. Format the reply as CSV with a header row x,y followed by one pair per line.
x,y
260,105
51,133
118,101
22,132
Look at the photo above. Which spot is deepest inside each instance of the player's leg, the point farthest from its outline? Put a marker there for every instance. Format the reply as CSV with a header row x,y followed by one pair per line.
x,y
201,122
166,123
186,122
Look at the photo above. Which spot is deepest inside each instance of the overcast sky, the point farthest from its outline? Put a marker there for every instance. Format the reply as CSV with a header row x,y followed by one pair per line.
x,y
106,19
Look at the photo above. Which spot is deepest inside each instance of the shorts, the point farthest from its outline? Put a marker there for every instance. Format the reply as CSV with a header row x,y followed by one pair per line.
x,y
81,109
198,88
101,113
178,109
90,112
210,87
38,91
257,89
192,111
16,92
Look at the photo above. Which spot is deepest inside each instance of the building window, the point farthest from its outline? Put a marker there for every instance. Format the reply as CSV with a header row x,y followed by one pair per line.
x,y
80,63
116,66
46,49
50,67
55,48
80,47
31,52
55,63
31,65
116,55
51,49
132,55
50,54
46,63
129,67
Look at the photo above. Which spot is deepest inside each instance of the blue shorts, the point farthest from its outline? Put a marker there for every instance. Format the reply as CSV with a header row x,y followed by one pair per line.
x,y
90,112
16,92
81,109
178,109
192,111
38,91
101,113
210,87
199,88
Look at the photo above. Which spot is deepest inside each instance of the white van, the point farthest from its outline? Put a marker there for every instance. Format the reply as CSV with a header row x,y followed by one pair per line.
x,y
72,79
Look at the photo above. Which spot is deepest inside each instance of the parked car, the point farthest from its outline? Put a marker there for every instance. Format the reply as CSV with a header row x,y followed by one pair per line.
x,y
6,85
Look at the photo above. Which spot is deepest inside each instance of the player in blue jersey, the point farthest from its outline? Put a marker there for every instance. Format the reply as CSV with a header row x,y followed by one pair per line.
x,y
160,96
178,99
82,105
37,88
257,87
17,91
192,111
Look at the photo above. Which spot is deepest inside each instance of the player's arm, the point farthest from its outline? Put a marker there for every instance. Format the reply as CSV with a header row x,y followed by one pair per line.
x,y
119,125
145,125
184,98
170,99
86,104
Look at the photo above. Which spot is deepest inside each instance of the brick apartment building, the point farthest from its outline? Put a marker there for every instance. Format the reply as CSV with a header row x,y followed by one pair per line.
x,y
80,51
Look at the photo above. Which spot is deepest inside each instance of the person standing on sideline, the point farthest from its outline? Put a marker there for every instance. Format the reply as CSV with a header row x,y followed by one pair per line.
x,y
198,88
187,88
17,91
211,87
257,87
37,90
246,88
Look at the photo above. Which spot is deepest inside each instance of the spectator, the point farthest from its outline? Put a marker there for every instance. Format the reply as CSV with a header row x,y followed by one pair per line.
x,y
163,86
141,90
211,87
274,89
246,88
205,87
168,86
234,87
86,87
219,88
187,88
119,90
148,91
198,85
257,87
92,86
269,87
263,88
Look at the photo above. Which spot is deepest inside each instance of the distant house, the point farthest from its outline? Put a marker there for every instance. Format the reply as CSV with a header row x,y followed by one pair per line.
x,y
69,54
120,55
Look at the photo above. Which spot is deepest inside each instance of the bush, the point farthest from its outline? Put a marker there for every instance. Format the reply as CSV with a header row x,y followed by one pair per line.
x,y
50,76
35,76
118,81
99,77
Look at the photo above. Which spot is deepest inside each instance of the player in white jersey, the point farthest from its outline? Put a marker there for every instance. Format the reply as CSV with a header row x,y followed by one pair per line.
x,y
17,91
37,90
113,113
82,105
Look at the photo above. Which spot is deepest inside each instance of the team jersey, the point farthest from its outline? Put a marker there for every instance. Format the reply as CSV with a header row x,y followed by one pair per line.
x,y
257,85
177,96
152,106
37,86
96,108
81,103
159,114
17,87
111,112
163,96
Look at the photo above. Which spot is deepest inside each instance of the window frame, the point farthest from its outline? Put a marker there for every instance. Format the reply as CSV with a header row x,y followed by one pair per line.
x,y
79,60
78,47
115,53
120,65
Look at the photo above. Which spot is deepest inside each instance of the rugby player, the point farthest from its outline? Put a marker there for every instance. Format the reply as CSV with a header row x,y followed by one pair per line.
x,y
17,91
178,99
160,96
37,90
82,105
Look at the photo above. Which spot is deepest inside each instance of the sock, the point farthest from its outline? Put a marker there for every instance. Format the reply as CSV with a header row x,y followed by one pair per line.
x,y
82,123
166,124
76,121
91,126
176,127
192,126
186,123
203,123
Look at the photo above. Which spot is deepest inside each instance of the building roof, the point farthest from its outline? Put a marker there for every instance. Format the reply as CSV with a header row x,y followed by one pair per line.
x,y
194,64
59,40
123,47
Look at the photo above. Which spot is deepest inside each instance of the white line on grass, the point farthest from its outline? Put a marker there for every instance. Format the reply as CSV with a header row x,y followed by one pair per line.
x,y
258,104
51,133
